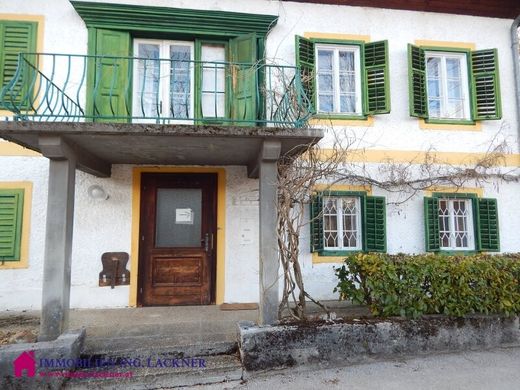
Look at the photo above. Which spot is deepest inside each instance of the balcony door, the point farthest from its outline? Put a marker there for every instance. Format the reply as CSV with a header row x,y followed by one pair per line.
x,y
176,83
163,80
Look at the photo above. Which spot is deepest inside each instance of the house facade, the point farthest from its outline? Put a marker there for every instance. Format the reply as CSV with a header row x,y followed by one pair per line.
x,y
155,130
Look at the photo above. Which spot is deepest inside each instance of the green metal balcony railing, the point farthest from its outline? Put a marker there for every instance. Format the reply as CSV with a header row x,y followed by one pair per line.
x,y
67,87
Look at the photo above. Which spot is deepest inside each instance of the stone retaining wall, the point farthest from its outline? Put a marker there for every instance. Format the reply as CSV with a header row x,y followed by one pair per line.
x,y
355,341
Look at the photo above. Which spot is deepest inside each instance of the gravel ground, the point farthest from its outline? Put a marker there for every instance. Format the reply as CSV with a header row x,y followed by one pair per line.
x,y
18,328
493,369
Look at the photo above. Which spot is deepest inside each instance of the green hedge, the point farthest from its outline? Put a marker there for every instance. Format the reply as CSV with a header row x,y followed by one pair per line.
x,y
410,286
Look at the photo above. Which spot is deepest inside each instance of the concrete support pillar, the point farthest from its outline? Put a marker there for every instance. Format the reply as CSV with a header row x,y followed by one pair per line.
x,y
58,248
269,265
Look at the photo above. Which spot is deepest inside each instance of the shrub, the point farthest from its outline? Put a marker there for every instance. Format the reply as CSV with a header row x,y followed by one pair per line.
x,y
413,285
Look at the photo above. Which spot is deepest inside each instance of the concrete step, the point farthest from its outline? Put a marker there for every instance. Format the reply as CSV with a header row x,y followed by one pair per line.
x,y
215,369
180,345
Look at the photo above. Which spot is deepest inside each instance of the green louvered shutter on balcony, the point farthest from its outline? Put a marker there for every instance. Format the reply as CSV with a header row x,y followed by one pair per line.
x,y
16,37
487,225
485,85
305,56
110,79
244,79
11,212
431,224
375,224
316,223
417,82
377,83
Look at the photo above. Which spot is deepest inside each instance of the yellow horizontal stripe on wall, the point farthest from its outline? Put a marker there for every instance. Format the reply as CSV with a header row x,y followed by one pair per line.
x,y
453,190
11,149
450,44
343,37
418,157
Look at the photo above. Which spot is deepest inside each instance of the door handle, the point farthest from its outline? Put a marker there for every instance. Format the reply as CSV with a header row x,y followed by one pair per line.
x,y
206,242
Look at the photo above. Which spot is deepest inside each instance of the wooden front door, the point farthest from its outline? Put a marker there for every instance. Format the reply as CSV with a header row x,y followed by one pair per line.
x,y
177,232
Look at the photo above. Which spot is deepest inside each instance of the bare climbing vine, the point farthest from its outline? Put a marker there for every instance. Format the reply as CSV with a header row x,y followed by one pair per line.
x,y
300,173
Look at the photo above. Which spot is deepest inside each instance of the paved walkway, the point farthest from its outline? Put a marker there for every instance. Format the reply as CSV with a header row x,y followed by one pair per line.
x,y
186,323
495,369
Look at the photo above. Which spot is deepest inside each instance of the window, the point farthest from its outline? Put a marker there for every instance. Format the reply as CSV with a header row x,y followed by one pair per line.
x,y
338,79
186,81
461,222
344,221
11,216
164,79
16,37
341,223
456,224
345,79
449,85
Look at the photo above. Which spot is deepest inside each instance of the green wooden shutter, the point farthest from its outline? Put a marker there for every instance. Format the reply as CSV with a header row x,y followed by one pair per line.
x,y
431,224
316,223
110,78
417,82
487,225
305,60
377,83
17,37
11,213
244,79
485,85
375,224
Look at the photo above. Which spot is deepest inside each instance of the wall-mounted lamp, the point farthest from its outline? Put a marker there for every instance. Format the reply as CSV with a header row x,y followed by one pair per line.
x,y
97,192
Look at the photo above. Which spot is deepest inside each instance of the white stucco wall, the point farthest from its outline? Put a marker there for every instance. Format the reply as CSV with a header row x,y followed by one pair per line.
x,y
102,226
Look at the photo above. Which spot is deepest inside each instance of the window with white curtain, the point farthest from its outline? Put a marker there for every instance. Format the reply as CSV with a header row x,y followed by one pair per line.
x,y
447,85
164,79
338,79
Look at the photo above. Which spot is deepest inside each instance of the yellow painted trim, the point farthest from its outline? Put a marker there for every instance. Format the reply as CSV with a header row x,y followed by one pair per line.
x,y
221,224
454,190
40,19
368,122
344,37
317,259
11,149
455,45
418,157
26,224
343,187
450,127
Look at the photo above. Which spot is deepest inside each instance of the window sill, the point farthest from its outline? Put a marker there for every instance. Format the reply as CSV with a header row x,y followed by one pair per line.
x,y
324,257
13,264
341,120
468,252
449,125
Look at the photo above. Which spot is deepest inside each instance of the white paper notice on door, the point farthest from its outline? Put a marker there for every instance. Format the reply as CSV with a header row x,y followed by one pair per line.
x,y
184,216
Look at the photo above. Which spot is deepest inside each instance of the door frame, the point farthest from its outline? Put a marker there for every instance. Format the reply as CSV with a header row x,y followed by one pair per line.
x,y
220,233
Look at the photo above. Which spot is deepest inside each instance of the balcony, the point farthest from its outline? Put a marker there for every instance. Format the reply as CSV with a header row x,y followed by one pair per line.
x,y
177,90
